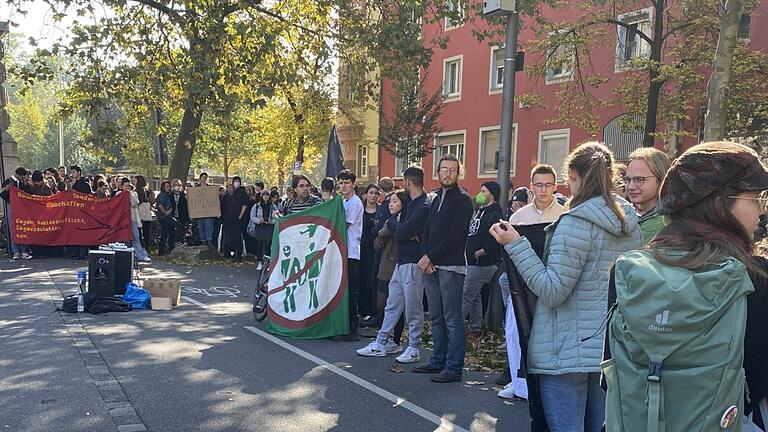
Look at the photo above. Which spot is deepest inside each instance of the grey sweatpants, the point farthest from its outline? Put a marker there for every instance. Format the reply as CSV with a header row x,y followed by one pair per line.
x,y
406,291
472,302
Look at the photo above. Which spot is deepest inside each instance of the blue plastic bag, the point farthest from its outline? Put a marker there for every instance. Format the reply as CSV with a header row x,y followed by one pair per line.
x,y
136,296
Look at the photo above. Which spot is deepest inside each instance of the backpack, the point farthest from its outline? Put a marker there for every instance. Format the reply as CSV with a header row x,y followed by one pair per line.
x,y
676,341
109,304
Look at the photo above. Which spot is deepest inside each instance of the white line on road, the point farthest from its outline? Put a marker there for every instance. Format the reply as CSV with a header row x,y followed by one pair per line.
x,y
195,302
397,400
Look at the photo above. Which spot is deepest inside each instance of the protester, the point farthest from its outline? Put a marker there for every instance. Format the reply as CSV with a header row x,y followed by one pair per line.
x,y
146,199
180,205
166,219
263,217
79,183
138,250
233,206
102,190
51,172
703,322
444,265
544,207
304,200
645,172
482,253
205,225
252,198
38,186
406,221
572,288
275,197
19,180
353,209
520,198
327,189
367,300
62,171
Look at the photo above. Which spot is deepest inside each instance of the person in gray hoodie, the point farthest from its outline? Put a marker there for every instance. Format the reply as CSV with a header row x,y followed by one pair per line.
x,y
565,346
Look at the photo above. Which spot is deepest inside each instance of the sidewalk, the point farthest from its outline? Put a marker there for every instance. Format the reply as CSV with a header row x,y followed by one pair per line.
x,y
53,377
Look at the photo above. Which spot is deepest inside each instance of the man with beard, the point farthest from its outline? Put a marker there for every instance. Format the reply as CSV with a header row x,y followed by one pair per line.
x,y
445,266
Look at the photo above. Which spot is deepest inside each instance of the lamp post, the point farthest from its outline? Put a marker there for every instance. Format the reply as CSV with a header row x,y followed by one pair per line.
x,y
5,122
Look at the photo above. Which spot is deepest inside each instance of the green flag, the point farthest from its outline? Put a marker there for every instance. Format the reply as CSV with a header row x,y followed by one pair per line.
x,y
308,275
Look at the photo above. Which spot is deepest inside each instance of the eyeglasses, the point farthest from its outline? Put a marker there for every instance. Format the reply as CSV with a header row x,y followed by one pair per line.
x,y
762,201
543,185
449,170
639,180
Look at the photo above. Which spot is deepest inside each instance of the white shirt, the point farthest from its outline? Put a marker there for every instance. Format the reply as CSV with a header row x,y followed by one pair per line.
x,y
530,214
353,208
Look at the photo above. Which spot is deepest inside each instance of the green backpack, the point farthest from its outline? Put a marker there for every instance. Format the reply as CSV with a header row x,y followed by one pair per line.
x,y
676,339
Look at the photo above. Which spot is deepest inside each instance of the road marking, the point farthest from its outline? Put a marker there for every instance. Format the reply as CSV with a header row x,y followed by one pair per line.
x,y
442,423
195,302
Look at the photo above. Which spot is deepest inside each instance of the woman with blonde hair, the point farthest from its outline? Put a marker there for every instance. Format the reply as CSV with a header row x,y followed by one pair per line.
x,y
571,284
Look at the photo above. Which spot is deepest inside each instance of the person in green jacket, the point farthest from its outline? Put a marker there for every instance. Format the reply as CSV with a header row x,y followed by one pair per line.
x,y
645,172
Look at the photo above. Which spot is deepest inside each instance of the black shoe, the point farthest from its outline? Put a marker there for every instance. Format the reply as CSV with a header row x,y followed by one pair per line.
x,y
373,322
446,377
426,368
504,379
350,337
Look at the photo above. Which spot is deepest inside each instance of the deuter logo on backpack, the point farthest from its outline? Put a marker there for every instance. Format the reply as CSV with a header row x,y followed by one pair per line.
x,y
662,319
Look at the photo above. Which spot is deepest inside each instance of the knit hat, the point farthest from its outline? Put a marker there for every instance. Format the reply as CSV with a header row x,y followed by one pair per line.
x,y
521,194
37,176
494,189
707,168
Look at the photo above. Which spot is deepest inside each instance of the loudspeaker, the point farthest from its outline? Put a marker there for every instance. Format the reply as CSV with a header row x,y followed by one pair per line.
x,y
123,269
101,273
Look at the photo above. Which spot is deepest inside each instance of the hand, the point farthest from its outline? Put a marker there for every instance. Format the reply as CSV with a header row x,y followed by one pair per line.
x,y
480,253
504,233
425,264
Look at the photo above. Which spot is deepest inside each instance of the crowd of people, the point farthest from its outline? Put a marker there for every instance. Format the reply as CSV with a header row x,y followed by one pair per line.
x,y
687,223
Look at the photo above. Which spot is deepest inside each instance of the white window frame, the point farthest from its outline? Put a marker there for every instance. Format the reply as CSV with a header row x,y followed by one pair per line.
x,y
551,78
642,49
456,96
362,155
748,27
480,153
398,174
447,23
554,133
493,86
436,155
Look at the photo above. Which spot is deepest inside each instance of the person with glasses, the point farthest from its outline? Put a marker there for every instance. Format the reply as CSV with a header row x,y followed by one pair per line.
x,y
544,207
645,172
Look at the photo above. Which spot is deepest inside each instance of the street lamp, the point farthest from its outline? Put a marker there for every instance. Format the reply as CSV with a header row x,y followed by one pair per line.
x,y
4,124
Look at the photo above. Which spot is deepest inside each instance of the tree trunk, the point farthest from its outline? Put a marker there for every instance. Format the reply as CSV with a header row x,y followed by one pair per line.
x,y
717,104
654,91
185,142
226,162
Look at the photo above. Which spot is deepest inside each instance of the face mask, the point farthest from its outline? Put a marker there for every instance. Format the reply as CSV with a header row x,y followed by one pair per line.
x,y
177,189
480,198
236,184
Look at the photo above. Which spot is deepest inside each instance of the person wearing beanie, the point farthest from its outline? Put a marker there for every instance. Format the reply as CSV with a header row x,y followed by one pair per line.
x,y
38,185
482,253
544,208
699,275
520,198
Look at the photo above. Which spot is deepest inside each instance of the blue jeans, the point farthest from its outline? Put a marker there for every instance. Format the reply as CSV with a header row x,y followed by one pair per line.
x,y
444,293
205,226
136,242
573,402
15,247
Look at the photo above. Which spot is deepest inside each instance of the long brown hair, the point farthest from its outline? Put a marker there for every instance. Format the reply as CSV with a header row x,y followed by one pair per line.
x,y
706,248
594,164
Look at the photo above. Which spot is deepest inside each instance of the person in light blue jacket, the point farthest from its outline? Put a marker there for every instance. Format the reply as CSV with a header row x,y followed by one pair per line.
x,y
571,283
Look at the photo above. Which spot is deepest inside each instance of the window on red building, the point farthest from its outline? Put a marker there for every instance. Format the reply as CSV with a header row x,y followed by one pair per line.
x,y
497,68
488,160
630,44
452,77
560,59
449,143
553,149
457,8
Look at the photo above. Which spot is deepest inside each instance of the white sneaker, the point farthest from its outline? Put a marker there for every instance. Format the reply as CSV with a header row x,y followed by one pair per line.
x,y
373,349
26,256
391,347
508,392
259,266
411,355
16,256
146,259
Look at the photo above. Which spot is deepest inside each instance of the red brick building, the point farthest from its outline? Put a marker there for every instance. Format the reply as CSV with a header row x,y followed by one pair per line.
x,y
471,72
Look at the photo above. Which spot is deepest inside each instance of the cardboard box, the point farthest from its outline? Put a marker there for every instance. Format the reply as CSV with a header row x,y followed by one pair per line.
x,y
162,303
164,288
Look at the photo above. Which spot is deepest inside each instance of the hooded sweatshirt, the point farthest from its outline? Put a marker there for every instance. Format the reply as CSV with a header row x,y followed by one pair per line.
x,y
479,236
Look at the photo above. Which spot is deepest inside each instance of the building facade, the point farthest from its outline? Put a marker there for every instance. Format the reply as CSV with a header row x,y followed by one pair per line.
x,y
471,73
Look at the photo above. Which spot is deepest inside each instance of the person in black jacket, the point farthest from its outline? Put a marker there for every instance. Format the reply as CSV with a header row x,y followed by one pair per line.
x,y
445,266
80,184
482,253
19,180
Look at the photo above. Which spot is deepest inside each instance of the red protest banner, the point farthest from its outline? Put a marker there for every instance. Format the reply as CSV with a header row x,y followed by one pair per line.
x,y
69,218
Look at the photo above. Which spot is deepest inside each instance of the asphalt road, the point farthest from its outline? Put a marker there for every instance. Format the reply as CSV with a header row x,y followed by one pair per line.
x,y
206,366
